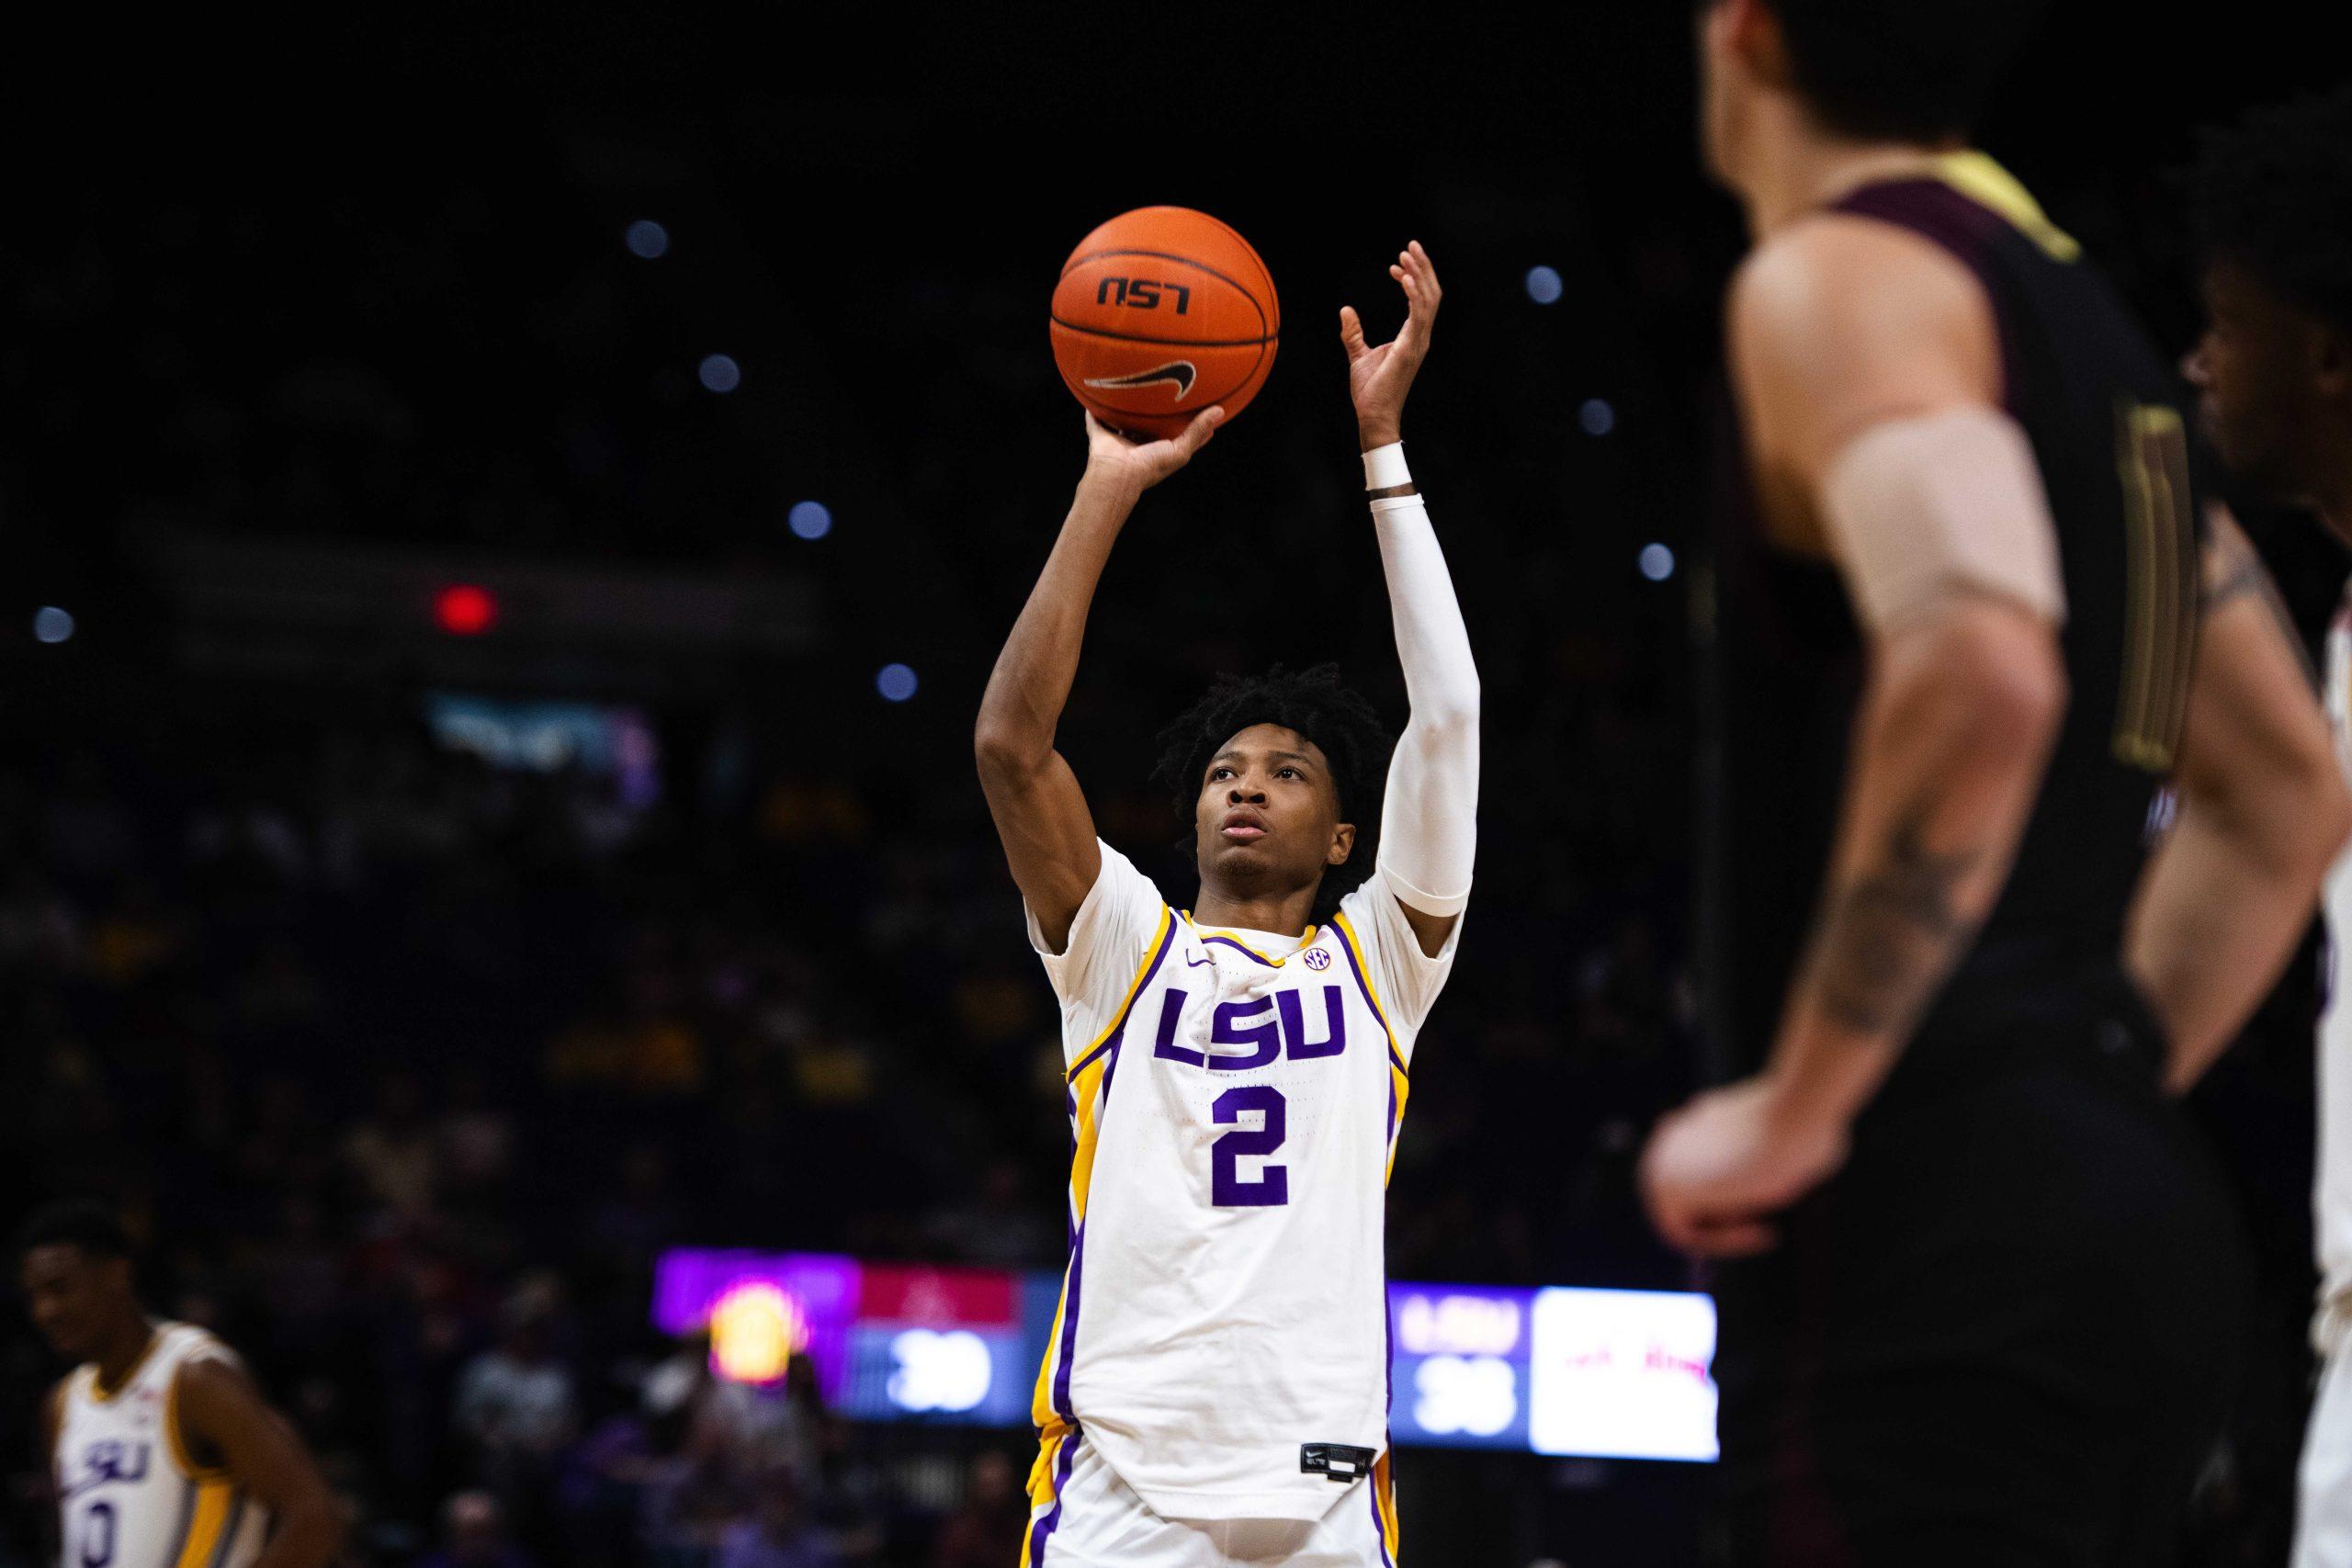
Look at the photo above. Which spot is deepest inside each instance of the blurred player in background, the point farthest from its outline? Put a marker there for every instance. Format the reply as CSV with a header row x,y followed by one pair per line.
x,y
2274,204
1216,1390
162,1453
1991,1289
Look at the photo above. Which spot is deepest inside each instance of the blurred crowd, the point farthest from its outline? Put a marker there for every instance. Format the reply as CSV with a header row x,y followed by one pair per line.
x,y
406,1067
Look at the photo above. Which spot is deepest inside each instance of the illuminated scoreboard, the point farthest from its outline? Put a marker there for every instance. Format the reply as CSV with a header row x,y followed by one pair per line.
x,y
1623,1374
888,1341
1618,1374
947,1343
1460,1357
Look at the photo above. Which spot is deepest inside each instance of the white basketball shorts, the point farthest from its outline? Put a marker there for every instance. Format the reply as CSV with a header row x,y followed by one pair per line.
x,y
1089,1518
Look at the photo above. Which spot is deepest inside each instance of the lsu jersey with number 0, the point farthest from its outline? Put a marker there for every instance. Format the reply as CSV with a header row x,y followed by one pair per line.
x,y
1223,1338
128,1494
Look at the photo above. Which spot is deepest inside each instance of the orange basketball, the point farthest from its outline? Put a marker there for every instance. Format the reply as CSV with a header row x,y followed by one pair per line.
x,y
1159,313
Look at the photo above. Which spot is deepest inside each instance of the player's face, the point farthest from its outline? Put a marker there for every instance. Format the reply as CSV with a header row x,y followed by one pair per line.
x,y
70,1295
1268,813
2253,374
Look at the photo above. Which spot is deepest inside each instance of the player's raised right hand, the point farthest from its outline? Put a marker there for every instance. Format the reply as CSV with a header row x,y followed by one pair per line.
x,y
1140,465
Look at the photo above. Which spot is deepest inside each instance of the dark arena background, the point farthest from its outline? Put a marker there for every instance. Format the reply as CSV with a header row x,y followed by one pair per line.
x,y
498,555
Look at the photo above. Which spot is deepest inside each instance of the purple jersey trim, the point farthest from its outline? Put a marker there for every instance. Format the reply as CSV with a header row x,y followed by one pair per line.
x,y
1051,1520
1119,1025
1355,967
1258,959
1069,1324
1078,1234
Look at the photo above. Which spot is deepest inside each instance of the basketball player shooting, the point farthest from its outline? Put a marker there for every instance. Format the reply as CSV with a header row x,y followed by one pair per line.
x,y
1984,1286
163,1454
2274,369
1216,1389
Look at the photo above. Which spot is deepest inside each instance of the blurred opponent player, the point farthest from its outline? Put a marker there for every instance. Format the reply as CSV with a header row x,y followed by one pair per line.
x,y
163,1454
2274,202
1990,1292
1216,1390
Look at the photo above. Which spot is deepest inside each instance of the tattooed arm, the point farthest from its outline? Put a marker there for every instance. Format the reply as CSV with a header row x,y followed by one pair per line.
x,y
1950,746
1954,732
2261,809
1842,330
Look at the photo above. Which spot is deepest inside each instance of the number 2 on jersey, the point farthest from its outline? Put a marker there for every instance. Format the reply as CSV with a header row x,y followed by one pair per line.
x,y
1228,1189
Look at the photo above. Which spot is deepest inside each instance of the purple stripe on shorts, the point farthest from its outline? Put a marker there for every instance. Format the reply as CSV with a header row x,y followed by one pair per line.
x,y
1379,1525
1051,1520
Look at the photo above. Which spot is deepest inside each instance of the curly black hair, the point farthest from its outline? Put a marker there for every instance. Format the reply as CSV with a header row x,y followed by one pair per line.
x,y
2274,196
1317,705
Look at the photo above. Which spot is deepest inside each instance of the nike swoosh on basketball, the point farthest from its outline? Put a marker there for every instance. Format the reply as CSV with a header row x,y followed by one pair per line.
x,y
1180,371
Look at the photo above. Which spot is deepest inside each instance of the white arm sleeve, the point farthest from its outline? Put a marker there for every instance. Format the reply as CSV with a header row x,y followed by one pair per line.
x,y
1428,820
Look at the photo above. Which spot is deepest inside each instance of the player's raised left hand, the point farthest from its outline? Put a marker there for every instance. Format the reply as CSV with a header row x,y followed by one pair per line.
x,y
1136,466
1380,375
1717,1171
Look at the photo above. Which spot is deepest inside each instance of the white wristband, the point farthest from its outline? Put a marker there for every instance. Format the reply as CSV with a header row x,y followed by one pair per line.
x,y
1383,467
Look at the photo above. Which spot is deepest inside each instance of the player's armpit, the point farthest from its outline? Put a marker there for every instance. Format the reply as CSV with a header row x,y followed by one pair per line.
x,y
224,1419
1430,930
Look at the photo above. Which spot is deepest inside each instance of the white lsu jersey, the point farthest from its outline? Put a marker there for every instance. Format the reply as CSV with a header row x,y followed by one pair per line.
x,y
129,1495
2333,1198
1223,1338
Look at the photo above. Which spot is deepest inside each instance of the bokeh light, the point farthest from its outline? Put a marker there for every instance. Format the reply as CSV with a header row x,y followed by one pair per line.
x,y
647,238
1543,284
51,624
719,373
755,1330
465,610
895,683
1657,562
1597,417
809,520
